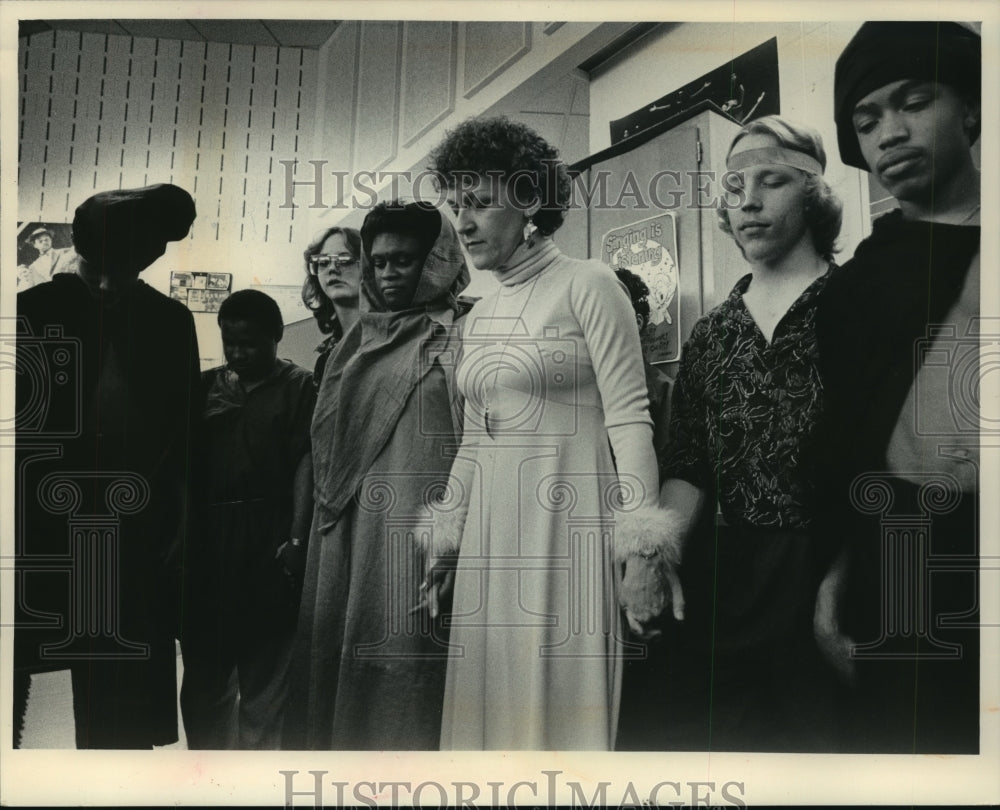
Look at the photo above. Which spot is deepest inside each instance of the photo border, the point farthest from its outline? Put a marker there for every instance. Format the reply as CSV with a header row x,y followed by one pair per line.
x,y
33,777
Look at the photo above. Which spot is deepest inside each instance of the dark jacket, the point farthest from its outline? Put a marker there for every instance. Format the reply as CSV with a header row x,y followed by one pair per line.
x,y
105,411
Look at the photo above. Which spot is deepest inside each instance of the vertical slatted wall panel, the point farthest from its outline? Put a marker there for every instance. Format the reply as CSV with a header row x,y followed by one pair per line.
x,y
187,129
143,65
288,107
235,154
86,152
212,120
101,112
255,219
35,125
56,155
165,110
112,121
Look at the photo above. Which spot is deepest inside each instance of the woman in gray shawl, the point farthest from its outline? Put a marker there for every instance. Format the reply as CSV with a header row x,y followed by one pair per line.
x,y
386,418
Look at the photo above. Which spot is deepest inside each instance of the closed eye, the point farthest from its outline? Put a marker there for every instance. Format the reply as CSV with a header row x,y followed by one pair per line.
x,y
915,104
864,126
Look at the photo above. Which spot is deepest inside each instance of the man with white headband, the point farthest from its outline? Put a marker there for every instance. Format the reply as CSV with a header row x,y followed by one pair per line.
x,y
899,339
744,672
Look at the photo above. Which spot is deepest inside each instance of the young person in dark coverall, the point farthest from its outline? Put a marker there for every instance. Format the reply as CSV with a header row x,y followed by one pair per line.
x,y
254,506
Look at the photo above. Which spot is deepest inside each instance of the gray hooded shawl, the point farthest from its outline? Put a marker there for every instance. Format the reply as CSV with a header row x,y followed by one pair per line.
x,y
376,367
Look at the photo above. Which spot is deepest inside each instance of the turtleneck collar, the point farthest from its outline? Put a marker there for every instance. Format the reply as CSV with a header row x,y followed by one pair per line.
x,y
529,266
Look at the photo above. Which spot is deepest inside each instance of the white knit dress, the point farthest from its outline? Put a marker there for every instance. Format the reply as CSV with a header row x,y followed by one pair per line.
x,y
552,362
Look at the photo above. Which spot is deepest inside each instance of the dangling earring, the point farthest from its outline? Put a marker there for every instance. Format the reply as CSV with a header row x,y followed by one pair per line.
x,y
529,233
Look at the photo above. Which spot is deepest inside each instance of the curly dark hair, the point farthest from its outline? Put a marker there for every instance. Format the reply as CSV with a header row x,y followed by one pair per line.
x,y
638,292
312,294
513,152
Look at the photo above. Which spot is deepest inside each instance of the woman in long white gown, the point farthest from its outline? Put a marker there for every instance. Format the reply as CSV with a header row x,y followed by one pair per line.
x,y
556,479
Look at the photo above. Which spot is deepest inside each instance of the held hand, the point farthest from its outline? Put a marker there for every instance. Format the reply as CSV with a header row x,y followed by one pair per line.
x,y
436,587
293,558
638,629
649,585
834,645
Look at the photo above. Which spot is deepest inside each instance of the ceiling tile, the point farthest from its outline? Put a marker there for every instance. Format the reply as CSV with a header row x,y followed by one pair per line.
x,y
161,29
89,26
301,33
244,32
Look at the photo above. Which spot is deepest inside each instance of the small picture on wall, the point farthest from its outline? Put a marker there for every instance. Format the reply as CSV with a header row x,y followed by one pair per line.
x,y
206,300
201,292
643,255
43,250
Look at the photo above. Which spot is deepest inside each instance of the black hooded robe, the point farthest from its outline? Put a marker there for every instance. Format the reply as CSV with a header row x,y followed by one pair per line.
x,y
106,398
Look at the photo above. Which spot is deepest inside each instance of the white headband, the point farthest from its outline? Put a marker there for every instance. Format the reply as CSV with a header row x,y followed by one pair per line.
x,y
773,154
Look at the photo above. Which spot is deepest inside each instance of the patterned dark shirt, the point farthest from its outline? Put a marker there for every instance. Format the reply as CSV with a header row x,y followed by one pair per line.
x,y
744,412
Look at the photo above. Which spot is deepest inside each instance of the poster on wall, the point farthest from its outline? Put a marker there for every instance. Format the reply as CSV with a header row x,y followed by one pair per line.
x,y
200,292
289,298
643,255
44,249
744,88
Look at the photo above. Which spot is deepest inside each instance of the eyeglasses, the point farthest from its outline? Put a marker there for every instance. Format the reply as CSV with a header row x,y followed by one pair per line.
x,y
325,262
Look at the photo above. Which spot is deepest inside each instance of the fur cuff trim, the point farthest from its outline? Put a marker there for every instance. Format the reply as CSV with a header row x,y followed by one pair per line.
x,y
648,531
441,534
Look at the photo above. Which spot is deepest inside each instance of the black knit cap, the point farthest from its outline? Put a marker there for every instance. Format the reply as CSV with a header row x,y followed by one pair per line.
x,y
884,52
127,226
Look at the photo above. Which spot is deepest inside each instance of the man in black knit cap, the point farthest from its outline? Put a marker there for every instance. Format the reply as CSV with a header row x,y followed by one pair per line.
x,y
898,336
106,404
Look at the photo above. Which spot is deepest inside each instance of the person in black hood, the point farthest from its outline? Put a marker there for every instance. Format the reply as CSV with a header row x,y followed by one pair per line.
x,y
106,409
899,355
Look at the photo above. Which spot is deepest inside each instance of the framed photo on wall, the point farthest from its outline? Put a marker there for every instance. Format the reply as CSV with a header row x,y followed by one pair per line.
x,y
43,250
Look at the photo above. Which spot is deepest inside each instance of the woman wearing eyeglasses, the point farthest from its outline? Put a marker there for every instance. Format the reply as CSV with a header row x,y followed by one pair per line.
x,y
333,279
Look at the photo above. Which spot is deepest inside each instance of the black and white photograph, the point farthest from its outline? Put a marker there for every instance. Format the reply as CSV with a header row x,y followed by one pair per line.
x,y
445,405
202,292
43,249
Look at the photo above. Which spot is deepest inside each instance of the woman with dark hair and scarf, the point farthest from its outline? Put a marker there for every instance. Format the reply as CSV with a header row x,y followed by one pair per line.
x,y
332,287
372,668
